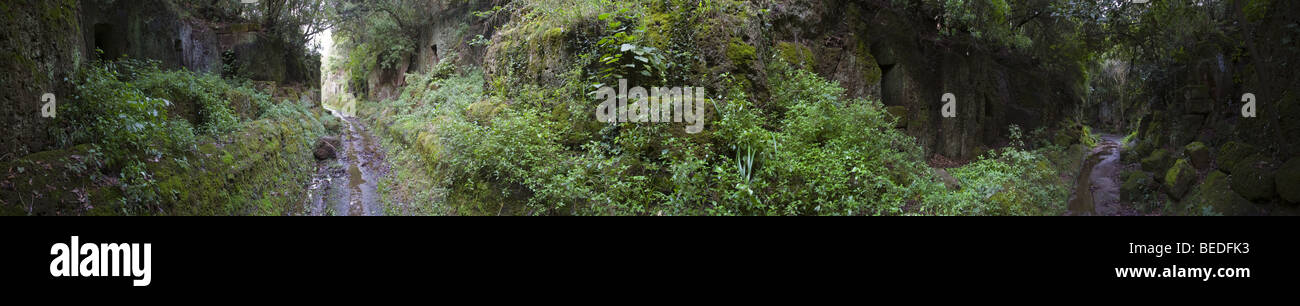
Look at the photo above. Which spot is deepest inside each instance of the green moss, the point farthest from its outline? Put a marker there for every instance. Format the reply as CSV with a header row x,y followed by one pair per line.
x,y
1179,179
741,54
796,54
659,27
1214,196
871,72
1158,162
1253,179
1232,152
58,15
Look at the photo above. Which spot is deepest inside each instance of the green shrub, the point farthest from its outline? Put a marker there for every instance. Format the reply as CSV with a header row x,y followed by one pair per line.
x,y
1008,181
120,118
205,92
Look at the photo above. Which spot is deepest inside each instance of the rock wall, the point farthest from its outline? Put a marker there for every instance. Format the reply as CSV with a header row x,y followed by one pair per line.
x,y
1194,115
880,55
43,43
454,26
40,46
152,29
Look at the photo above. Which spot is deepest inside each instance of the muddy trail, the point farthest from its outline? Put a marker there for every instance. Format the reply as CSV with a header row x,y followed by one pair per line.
x,y
1097,187
347,184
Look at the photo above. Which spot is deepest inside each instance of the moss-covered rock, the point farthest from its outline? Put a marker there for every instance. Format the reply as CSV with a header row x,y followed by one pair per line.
x,y
1252,177
1199,155
947,179
1232,152
1158,162
1215,196
796,54
741,54
1288,180
871,73
1179,179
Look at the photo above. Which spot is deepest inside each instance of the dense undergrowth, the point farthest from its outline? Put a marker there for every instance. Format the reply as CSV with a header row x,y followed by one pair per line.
x,y
523,140
812,151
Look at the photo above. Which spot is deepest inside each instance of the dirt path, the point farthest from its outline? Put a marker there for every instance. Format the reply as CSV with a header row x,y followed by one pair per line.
x,y
1097,186
348,185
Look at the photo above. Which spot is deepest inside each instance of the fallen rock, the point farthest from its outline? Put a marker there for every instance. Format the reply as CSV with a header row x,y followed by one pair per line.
x,y
1199,155
327,148
1179,179
1158,162
1214,196
1288,181
947,179
1232,152
1252,178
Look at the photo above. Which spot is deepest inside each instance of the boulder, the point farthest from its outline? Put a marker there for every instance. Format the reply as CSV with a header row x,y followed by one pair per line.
x,y
1179,179
947,179
1199,155
1158,162
1288,180
1214,196
1252,178
1231,152
327,148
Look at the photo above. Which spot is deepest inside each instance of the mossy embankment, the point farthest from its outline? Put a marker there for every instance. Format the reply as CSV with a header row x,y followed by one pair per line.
x,y
134,148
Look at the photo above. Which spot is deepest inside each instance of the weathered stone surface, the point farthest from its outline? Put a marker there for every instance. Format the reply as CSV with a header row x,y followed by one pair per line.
x,y
947,179
1186,130
1158,162
1199,154
327,148
1179,179
1214,196
40,45
1252,178
1288,180
1232,152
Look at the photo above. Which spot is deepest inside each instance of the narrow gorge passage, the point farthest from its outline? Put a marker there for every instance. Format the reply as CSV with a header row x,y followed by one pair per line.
x,y
352,164
1098,185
